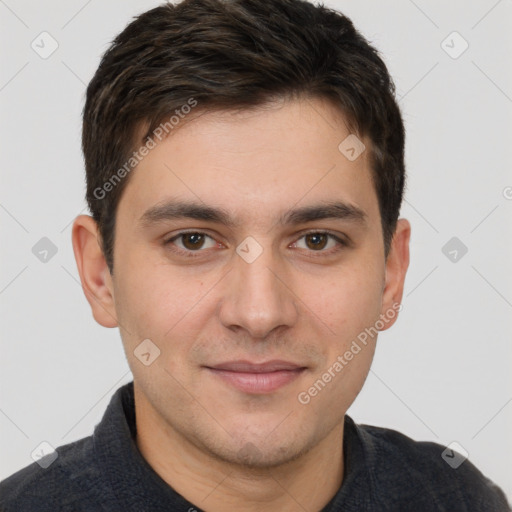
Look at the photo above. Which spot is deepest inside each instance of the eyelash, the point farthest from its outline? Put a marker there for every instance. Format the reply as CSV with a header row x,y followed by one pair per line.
x,y
195,254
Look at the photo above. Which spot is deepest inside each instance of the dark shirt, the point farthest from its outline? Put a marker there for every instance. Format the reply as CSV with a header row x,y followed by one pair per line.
x,y
384,470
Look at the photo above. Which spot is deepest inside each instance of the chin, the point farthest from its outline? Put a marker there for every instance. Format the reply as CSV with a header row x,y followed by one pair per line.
x,y
262,454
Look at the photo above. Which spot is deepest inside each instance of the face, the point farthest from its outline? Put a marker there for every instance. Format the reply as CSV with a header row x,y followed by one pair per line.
x,y
253,295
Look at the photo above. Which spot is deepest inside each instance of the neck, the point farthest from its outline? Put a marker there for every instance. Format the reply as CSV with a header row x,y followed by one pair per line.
x,y
306,483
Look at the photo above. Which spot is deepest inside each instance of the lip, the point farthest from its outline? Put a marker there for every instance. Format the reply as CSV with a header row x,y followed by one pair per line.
x,y
257,378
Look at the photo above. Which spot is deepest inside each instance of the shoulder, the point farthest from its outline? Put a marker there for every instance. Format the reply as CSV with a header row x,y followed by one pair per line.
x,y
427,472
65,481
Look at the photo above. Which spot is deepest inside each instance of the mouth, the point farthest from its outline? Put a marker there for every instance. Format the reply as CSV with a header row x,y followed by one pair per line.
x,y
257,378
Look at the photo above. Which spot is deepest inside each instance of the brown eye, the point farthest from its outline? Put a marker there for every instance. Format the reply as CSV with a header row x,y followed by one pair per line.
x,y
321,242
316,241
192,241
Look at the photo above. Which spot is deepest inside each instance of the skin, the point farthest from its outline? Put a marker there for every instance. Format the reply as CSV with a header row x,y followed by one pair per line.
x,y
220,447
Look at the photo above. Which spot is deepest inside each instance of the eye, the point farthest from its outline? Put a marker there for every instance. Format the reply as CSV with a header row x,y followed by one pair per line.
x,y
192,241
320,241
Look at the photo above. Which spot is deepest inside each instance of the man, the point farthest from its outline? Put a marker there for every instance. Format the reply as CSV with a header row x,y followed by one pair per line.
x,y
245,171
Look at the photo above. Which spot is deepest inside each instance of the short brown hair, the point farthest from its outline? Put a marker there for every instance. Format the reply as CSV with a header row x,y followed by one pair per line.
x,y
235,54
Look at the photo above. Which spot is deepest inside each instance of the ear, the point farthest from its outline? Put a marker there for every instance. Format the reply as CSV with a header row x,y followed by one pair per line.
x,y
94,273
397,263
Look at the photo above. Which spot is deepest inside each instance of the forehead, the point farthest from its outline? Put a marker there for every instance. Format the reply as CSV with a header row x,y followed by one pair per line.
x,y
256,164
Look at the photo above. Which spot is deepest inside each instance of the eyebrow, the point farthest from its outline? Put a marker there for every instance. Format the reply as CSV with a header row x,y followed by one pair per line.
x,y
179,209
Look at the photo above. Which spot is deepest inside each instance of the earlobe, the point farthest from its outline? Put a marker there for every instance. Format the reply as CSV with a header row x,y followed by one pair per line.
x,y
397,263
93,270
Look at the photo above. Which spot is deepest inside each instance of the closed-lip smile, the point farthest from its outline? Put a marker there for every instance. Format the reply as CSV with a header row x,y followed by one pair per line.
x,y
257,378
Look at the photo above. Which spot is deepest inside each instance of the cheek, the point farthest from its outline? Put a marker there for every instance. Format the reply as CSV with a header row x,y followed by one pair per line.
x,y
145,304
160,302
332,392
347,300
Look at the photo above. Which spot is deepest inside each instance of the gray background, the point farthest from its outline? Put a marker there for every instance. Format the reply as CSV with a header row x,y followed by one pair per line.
x,y
442,373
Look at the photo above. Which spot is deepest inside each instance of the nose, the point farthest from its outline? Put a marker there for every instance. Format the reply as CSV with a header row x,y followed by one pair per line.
x,y
258,296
